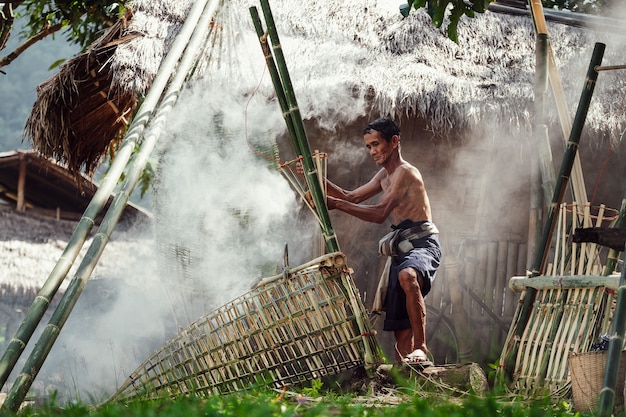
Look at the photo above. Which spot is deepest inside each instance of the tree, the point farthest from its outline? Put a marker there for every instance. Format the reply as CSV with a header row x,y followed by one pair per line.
x,y
459,8
437,11
83,21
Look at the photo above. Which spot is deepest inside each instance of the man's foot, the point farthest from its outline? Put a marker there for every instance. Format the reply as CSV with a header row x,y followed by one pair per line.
x,y
417,358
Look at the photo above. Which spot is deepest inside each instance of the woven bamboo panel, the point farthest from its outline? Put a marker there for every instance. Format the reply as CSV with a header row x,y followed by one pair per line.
x,y
562,320
291,328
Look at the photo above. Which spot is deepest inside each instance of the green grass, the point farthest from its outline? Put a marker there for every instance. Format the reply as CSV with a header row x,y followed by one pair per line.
x,y
273,404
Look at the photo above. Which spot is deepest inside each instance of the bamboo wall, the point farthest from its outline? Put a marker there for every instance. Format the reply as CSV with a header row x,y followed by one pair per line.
x,y
473,291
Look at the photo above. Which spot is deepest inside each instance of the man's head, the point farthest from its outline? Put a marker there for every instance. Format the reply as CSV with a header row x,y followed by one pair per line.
x,y
386,127
382,140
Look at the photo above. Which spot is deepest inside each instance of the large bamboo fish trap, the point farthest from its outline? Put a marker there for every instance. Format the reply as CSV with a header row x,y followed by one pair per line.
x,y
302,325
573,304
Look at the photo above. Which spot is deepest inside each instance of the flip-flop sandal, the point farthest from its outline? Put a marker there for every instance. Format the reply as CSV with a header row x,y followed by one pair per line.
x,y
417,358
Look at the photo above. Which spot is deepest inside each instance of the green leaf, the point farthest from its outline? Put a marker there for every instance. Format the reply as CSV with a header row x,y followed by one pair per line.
x,y
455,17
437,11
56,63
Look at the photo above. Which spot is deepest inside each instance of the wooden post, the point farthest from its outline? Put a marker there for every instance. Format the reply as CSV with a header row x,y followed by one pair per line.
x,y
21,183
607,394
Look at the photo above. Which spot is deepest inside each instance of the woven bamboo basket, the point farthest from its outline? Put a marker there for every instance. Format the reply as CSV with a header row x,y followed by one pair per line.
x,y
587,375
299,326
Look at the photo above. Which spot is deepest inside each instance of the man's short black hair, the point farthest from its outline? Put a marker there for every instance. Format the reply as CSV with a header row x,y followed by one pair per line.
x,y
387,128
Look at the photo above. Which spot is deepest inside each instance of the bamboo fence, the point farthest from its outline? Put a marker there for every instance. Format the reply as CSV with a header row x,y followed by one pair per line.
x,y
572,307
521,322
299,326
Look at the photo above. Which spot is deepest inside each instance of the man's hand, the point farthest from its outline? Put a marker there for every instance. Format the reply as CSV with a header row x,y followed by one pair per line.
x,y
309,198
331,202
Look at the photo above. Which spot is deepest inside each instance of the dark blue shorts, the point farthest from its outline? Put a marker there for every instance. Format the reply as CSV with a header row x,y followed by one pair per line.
x,y
424,259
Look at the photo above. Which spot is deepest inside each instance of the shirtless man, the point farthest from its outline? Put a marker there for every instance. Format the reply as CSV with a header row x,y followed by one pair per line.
x,y
413,268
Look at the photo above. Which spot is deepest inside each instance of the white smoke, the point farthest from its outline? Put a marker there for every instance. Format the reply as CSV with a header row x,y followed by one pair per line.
x,y
222,210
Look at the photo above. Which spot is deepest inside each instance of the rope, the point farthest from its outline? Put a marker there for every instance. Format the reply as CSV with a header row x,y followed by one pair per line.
x,y
256,152
609,67
285,168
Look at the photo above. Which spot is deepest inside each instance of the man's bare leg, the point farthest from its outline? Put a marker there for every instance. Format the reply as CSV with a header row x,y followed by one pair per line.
x,y
414,338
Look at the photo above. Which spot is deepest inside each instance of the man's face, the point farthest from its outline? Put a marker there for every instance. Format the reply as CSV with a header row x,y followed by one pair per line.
x,y
378,147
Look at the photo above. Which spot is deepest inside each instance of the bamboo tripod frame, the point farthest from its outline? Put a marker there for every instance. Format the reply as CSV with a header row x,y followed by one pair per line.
x,y
290,328
564,319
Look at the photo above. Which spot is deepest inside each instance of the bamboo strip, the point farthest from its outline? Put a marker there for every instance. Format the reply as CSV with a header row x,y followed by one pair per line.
x,y
483,270
593,253
548,361
585,222
565,335
566,252
584,337
544,313
529,338
501,270
545,344
574,251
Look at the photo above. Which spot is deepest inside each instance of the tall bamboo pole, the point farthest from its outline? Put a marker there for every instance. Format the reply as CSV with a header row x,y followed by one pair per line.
x,y
542,171
291,113
538,267
614,354
613,256
578,182
301,143
188,40
541,128
271,66
607,394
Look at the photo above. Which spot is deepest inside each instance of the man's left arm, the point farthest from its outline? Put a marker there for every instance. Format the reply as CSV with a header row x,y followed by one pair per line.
x,y
376,213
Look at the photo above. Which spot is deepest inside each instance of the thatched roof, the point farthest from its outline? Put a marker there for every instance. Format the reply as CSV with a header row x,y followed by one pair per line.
x,y
78,113
30,246
400,66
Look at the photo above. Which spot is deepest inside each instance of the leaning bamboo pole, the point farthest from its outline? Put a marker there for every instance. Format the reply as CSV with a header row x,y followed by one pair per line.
x,y
300,140
539,265
541,129
616,343
539,19
284,107
545,282
613,256
283,87
97,203
274,75
188,41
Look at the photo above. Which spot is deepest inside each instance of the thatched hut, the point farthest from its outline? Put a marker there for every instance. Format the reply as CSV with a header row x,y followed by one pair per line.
x,y
466,113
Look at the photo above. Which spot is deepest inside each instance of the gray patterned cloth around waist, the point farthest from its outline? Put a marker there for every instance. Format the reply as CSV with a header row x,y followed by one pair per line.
x,y
404,236
419,231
